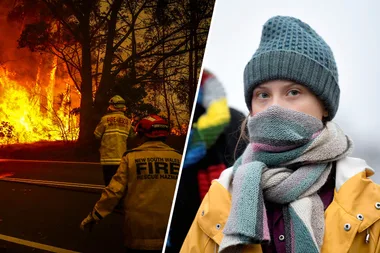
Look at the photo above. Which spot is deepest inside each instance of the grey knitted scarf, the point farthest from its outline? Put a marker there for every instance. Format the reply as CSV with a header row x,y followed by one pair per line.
x,y
287,161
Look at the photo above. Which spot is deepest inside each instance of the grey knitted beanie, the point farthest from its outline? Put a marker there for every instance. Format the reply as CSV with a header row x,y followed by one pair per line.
x,y
291,50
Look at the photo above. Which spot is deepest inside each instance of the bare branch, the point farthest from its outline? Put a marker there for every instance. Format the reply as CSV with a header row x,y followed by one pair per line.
x,y
134,17
165,56
55,13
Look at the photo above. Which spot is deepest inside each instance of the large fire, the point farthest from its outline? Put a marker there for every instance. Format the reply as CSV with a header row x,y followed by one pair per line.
x,y
36,93
31,112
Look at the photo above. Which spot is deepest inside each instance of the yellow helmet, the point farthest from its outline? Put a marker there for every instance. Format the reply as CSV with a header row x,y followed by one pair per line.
x,y
117,101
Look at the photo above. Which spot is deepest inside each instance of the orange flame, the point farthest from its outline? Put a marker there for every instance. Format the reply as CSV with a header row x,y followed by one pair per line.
x,y
178,132
26,115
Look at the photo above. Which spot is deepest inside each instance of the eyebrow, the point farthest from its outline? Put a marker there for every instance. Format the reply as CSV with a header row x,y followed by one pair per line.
x,y
288,84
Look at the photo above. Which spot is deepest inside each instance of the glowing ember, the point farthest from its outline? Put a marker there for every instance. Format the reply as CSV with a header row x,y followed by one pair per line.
x,y
36,113
178,132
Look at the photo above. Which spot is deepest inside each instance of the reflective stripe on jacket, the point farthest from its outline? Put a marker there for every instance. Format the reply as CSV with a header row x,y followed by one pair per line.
x,y
146,181
352,217
113,130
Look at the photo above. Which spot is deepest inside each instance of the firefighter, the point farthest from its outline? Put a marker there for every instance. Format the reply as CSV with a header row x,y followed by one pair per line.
x,y
113,131
145,183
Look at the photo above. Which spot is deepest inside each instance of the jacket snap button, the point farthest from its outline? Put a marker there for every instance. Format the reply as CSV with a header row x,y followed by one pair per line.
x,y
218,226
281,237
347,226
377,205
360,216
203,213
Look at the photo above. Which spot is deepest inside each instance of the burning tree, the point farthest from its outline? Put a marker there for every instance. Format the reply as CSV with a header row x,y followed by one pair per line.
x,y
110,46
6,132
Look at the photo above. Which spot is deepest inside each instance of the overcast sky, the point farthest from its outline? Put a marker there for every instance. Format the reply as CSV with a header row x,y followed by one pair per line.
x,y
351,30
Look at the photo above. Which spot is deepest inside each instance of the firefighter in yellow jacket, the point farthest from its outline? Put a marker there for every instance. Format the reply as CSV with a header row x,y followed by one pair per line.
x,y
145,181
113,131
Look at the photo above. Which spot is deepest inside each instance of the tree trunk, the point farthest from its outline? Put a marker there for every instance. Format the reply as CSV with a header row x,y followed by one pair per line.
x,y
191,76
107,79
196,60
86,125
163,79
192,56
175,114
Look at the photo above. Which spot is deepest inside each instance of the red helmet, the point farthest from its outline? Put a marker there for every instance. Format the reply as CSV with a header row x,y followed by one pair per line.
x,y
153,126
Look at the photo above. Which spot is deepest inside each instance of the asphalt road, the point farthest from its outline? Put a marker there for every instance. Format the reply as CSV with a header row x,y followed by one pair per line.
x,y
43,203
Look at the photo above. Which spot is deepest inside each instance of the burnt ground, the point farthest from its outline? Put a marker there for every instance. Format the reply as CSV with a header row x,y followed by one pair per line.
x,y
68,151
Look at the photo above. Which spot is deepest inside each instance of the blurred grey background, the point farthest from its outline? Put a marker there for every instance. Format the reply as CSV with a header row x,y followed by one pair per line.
x,y
351,30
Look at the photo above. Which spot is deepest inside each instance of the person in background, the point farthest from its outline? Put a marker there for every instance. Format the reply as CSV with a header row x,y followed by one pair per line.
x,y
145,183
211,149
113,130
295,189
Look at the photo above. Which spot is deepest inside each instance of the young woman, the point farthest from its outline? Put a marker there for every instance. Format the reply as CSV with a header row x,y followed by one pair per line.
x,y
295,188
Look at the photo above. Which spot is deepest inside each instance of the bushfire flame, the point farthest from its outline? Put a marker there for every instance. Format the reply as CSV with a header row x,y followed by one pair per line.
x,y
27,116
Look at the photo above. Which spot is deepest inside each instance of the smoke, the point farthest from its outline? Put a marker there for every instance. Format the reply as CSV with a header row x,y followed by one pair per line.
x,y
20,62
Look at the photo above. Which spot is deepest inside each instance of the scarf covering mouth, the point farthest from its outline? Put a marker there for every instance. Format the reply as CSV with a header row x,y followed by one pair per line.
x,y
287,161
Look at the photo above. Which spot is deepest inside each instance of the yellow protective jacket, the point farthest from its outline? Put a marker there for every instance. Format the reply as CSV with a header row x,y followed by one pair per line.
x,y
146,181
113,130
354,194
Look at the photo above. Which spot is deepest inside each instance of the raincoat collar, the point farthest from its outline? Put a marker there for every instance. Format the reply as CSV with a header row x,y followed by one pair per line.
x,y
355,193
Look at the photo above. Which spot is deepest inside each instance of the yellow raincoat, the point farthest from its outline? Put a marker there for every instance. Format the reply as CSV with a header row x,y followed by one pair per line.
x,y
352,220
146,181
113,130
